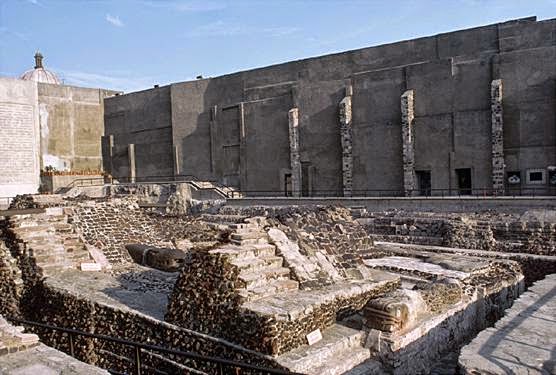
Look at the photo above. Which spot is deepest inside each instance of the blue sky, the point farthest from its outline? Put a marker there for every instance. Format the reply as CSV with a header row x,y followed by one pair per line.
x,y
134,44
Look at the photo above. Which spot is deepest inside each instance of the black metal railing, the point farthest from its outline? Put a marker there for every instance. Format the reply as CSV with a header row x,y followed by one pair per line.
x,y
398,193
126,181
220,363
228,192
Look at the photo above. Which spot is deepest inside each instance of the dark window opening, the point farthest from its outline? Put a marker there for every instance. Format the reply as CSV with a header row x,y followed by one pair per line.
x,y
424,182
464,181
536,176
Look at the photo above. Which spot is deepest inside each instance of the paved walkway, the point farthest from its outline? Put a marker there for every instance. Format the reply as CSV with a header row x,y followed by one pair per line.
x,y
523,341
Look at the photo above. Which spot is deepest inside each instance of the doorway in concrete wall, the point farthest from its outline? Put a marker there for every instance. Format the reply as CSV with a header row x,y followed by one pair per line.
x,y
464,181
229,124
424,182
288,184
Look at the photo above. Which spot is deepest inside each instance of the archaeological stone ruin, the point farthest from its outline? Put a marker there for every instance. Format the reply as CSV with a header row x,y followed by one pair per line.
x,y
388,210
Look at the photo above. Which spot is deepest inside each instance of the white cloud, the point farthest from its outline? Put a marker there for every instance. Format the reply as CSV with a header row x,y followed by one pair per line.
x,y
114,20
123,81
221,28
187,6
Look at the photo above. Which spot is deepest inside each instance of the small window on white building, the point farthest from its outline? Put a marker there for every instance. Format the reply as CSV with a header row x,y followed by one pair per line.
x,y
536,176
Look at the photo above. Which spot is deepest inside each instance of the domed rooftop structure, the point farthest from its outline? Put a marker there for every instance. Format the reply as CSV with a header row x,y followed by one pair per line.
x,y
40,74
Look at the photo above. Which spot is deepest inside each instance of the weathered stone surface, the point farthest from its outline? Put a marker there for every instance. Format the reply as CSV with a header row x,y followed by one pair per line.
x,y
522,342
165,259
497,129
339,351
45,360
408,142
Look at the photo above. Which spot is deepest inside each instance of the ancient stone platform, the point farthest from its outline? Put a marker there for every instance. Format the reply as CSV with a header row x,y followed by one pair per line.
x,y
22,354
523,341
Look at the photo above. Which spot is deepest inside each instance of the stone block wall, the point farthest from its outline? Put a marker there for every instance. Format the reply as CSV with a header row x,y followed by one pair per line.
x,y
205,299
408,139
498,163
66,309
347,143
11,284
482,233
111,224
295,161
329,234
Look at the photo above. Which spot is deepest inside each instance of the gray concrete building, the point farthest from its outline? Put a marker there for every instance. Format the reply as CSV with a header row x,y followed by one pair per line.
x,y
470,111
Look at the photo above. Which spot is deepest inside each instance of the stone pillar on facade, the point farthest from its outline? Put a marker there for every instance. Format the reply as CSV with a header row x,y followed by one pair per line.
x,y
497,123
408,142
131,159
347,143
295,162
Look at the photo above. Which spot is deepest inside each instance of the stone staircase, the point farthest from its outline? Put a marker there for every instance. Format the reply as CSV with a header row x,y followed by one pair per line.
x,y
262,271
340,350
49,240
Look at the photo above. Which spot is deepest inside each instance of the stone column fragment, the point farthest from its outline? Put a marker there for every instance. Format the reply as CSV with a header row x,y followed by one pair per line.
x,y
408,142
497,123
131,159
347,144
295,162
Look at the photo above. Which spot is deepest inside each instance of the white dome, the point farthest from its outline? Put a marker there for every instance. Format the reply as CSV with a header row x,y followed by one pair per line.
x,y
40,74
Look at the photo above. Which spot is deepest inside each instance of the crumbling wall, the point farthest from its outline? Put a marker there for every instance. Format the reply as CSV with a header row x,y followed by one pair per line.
x,y
481,231
325,236
66,309
111,224
205,299
10,283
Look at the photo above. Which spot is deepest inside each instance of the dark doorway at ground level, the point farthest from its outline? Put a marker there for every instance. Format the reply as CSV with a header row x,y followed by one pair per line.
x,y
464,181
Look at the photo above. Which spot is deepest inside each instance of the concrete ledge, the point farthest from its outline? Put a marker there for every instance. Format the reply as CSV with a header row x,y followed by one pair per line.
x,y
520,343
438,204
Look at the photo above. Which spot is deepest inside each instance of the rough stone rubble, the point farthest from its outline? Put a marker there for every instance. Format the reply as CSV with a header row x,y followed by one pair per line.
x,y
257,281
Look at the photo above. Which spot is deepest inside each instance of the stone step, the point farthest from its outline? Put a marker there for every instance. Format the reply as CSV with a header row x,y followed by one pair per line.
x,y
243,226
48,267
248,235
49,258
249,241
270,289
343,362
339,351
257,263
217,218
262,277
235,252
32,232
45,249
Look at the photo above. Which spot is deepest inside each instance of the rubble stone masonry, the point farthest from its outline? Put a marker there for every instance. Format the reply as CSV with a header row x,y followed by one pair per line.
x,y
293,121
408,150
347,144
498,166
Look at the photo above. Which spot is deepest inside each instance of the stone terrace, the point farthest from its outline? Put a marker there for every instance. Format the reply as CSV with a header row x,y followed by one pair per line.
x,y
255,283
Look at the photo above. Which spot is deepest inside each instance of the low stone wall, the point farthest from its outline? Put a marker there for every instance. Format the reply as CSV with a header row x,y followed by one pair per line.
x,y
491,232
424,204
62,308
449,330
11,284
111,224
534,267
204,299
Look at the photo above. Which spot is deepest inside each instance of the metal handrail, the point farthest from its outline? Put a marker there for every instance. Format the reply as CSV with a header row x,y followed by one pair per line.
x,y
416,193
229,192
221,362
